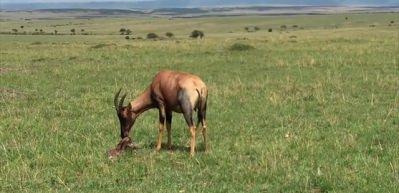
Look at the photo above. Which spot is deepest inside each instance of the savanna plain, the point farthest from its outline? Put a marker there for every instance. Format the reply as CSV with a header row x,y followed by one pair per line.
x,y
311,106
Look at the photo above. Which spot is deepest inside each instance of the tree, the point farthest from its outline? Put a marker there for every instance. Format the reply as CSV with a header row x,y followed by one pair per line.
x,y
169,34
73,31
22,27
152,36
128,31
122,31
15,30
197,34
55,32
256,28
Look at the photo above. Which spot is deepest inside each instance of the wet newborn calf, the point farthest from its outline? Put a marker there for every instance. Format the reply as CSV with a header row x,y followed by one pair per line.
x,y
122,145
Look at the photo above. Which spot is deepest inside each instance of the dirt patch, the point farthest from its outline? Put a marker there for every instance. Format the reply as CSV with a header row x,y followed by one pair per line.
x,y
4,70
11,93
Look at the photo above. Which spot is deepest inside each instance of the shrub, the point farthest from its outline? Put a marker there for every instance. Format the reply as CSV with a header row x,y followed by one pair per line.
x,y
152,36
73,31
283,27
169,34
128,32
14,30
55,32
82,30
240,47
256,28
22,27
36,43
127,37
270,30
295,26
392,22
102,45
197,34
122,31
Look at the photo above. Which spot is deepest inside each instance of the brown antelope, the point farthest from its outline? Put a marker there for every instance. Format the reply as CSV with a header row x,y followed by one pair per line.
x,y
169,92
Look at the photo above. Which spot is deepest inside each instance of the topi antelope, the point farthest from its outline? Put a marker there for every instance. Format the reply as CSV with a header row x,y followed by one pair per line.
x,y
169,92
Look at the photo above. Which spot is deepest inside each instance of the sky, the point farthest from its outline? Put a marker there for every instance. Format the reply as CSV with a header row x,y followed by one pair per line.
x,y
55,1
382,2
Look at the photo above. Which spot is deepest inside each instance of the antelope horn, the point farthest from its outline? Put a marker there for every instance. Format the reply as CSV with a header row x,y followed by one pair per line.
x,y
121,101
116,99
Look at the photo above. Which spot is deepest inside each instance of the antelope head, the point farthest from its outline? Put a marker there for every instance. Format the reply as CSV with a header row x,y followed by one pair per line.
x,y
124,113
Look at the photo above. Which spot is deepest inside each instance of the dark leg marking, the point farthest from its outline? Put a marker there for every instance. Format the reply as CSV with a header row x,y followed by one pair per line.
x,y
169,127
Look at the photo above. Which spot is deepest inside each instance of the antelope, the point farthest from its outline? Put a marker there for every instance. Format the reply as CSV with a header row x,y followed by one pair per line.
x,y
169,92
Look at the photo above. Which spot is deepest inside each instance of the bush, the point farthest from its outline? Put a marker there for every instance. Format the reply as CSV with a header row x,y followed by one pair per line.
x,y
295,26
270,30
240,47
122,31
152,36
392,22
169,34
283,27
128,32
256,28
197,34
127,37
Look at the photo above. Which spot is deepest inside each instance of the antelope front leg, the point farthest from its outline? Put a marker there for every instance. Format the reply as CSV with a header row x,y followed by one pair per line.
x,y
161,127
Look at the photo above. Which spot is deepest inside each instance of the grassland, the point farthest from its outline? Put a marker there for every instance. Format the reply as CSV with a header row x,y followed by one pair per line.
x,y
307,110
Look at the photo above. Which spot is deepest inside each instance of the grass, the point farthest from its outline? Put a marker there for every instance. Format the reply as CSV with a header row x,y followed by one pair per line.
x,y
318,114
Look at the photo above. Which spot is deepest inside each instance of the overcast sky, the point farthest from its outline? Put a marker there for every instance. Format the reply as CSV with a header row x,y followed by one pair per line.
x,y
196,1
57,1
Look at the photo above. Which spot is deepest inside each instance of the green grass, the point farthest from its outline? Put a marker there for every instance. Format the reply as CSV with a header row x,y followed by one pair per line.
x,y
313,113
